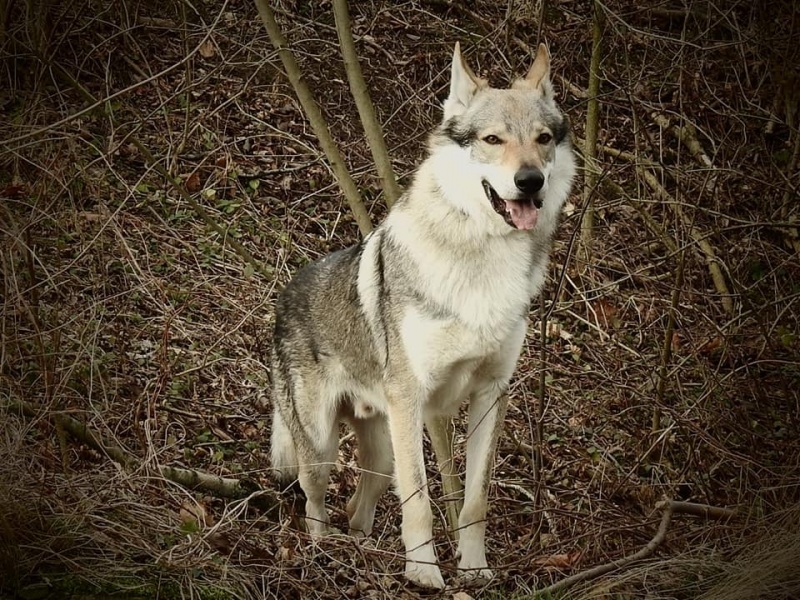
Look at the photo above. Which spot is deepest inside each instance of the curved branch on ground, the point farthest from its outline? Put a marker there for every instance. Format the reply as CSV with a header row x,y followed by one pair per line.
x,y
669,508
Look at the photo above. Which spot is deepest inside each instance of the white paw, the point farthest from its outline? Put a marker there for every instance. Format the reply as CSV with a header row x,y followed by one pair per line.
x,y
472,566
471,577
424,575
319,529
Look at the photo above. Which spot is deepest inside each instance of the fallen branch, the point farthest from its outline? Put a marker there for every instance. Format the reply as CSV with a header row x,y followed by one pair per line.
x,y
792,234
716,272
629,156
666,348
617,190
649,222
717,276
221,487
669,508
687,135
77,430
599,570
706,511
575,90
699,238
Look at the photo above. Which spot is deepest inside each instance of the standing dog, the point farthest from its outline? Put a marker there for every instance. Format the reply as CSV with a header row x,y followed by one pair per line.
x,y
429,310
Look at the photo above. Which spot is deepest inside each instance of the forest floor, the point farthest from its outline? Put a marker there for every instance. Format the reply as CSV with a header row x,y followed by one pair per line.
x,y
126,311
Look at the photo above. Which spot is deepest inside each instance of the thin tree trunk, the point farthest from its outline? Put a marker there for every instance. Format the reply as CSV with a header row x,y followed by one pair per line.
x,y
366,110
314,114
590,145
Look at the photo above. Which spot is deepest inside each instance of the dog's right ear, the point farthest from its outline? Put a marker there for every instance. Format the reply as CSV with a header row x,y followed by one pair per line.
x,y
538,78
463,85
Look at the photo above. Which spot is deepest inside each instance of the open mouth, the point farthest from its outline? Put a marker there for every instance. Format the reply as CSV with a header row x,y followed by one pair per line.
x,y
520,213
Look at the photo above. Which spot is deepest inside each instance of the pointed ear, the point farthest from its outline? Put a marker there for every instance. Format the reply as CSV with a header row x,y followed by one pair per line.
x,y
463,85
539,75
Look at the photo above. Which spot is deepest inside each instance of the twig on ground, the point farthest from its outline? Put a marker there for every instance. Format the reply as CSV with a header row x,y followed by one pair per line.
x,y
792,233
699,238
666,348
78,430
221,487
716,513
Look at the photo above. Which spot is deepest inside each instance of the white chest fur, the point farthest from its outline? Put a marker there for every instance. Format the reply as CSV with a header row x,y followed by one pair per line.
x,y
486,287
482,294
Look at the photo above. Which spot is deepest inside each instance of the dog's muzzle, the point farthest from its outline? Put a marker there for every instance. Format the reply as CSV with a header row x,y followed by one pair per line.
x,y
521,212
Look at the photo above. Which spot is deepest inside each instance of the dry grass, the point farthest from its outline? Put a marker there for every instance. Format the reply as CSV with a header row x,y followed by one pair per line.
x,y
124,309
746,564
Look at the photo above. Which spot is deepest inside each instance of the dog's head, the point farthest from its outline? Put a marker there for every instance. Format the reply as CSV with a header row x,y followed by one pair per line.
x,y
507,143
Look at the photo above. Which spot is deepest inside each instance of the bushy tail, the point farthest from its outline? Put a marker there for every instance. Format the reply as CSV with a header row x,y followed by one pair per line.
x,y
284,455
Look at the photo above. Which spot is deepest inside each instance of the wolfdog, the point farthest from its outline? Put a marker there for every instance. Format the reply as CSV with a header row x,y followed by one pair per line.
x,y
429,310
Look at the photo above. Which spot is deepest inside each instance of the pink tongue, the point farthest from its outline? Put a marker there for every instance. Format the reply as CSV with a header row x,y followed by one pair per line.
x,y
524,214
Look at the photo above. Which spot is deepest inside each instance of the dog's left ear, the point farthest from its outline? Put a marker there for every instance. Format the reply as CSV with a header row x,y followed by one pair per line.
x,y
463,85
539,76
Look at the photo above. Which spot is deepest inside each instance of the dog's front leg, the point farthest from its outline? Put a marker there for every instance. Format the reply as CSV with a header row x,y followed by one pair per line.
x,y
486,413
406,426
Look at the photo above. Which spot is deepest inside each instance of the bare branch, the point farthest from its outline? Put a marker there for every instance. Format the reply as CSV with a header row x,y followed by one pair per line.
x,y
669,508
314,114
358,87
590,145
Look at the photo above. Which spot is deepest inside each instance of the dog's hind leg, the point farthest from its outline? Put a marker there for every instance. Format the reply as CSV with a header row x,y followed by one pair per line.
x,y
376,462
486,412
316,462
440,430
315,429
283,452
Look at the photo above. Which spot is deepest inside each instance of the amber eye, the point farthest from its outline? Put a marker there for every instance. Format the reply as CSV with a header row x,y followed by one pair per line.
x,y
544,138
493,140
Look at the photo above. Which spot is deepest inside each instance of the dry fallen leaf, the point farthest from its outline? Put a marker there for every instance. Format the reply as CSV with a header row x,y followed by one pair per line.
x,y
677,342
559,561
193,182
711,346
13,190
195,512
285,553
207,49
220,543
251,432
607,313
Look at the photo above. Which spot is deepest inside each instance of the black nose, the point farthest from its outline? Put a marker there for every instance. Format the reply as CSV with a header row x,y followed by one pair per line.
x,y
529,180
